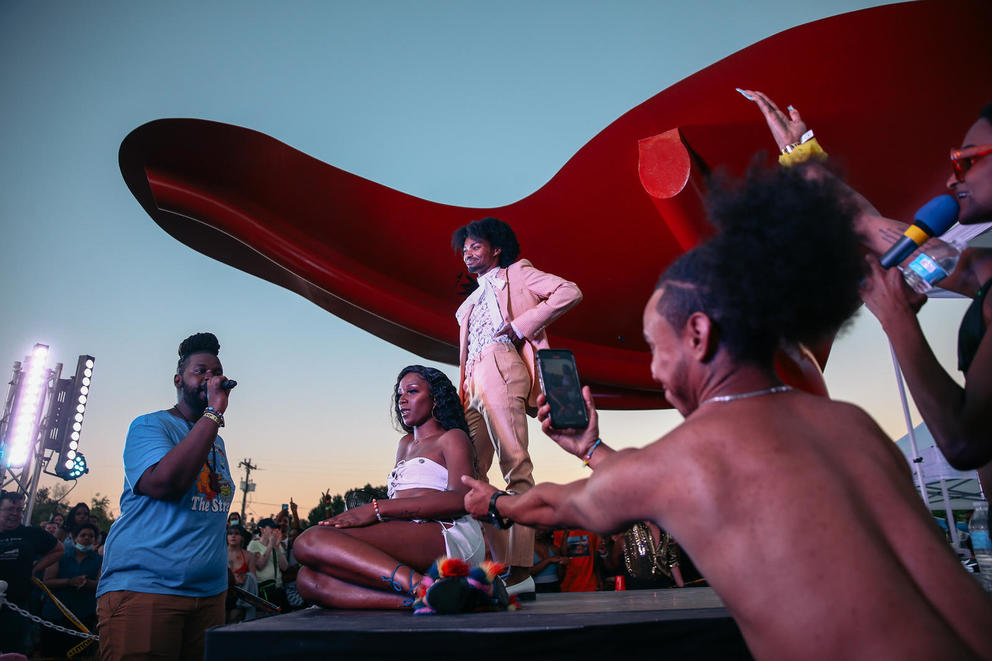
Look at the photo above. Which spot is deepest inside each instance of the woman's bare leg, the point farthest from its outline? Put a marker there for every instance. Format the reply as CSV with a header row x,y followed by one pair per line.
x,y
335,593
368,558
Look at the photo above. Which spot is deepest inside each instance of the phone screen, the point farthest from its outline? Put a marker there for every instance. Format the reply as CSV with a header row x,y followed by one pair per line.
x,y
561,387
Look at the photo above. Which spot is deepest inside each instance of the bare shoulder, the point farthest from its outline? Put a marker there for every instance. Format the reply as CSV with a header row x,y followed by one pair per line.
x,y
455,445
455,439
665,463
839,407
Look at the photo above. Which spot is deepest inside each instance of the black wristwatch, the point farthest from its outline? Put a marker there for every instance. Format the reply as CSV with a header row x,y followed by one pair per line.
x,y
498,522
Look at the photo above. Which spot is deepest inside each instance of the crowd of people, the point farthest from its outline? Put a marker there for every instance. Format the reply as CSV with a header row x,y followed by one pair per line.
x,y
796,509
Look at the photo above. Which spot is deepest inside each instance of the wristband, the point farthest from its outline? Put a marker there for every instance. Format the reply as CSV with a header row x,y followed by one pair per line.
x,y
499,522
375,506
802,152
588,457
216,417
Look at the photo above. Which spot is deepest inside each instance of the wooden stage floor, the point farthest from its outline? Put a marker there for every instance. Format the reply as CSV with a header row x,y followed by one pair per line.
x,y
690,623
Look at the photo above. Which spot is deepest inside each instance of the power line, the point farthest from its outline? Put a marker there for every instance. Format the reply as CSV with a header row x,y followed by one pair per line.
x,y
247,485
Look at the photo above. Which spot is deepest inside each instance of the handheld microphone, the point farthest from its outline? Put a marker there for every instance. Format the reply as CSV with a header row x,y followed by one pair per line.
x,y
933,218
226,384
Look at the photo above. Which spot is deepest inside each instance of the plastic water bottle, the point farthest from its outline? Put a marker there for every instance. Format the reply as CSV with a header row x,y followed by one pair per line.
x,y
932,266
978,529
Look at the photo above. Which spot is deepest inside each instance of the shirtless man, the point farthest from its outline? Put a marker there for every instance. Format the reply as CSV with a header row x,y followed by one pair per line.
x,y
799,510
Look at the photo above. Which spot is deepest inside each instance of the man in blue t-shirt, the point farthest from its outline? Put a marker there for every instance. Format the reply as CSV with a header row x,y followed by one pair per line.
x,y
165,561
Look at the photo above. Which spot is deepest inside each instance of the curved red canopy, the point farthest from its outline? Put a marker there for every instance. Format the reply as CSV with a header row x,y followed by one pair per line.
x,y
887,89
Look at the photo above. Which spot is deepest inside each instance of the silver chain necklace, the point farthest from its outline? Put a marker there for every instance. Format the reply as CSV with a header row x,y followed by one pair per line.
x,y
745,395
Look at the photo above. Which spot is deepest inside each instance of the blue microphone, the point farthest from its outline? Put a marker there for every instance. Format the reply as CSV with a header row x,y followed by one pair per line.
x,y
934,218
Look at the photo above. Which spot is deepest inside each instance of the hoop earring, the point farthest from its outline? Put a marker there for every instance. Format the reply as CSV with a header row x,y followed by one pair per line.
x,y
434,413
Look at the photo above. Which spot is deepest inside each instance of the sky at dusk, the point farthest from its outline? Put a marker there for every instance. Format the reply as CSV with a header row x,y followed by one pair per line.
x,y
465,103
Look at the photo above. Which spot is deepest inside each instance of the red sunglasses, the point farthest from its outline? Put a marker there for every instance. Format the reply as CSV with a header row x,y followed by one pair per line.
x,y
963,159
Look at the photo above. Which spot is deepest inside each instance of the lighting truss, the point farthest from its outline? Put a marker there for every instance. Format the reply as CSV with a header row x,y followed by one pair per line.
x,y
29,400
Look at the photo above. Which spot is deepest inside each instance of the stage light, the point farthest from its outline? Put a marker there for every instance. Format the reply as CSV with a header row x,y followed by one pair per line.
x,y
27,408
72,469
73,398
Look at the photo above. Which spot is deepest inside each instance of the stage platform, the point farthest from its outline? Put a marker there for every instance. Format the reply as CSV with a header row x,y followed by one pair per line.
x,y
688,623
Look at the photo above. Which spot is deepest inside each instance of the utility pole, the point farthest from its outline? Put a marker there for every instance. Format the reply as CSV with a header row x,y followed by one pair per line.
x,y
247,485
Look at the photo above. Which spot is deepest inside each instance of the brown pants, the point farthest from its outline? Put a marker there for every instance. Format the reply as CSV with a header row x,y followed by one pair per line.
x,y
138,625
496,412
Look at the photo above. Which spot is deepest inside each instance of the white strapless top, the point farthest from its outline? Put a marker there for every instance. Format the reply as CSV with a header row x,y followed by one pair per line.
x,y
417,473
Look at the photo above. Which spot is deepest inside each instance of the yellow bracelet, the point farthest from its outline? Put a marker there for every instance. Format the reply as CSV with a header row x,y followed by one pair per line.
x,y
216,417
810,149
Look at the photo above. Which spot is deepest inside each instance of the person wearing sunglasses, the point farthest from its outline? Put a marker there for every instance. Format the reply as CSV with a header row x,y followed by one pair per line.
x,y
956,416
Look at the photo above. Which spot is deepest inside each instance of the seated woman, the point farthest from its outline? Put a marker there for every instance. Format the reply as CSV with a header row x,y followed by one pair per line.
x,y
373,556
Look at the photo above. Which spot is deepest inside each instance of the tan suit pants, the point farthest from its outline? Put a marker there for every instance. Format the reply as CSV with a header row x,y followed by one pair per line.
x,y
496,412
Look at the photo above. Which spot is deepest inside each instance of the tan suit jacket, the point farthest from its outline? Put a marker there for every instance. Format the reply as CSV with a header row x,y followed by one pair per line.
x,y
531,299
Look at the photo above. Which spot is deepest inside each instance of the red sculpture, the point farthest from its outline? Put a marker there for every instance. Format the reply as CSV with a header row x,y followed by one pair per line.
x,y
889,90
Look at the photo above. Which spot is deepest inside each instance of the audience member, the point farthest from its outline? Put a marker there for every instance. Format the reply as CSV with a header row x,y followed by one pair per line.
x,y
292,564
241,574
270,562
239,560
647,558
549,563
165,563
956,416
798,509
374,555
20,546
73,581
78,515
583,571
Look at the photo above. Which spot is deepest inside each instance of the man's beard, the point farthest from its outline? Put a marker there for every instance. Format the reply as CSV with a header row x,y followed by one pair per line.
x,y
193,400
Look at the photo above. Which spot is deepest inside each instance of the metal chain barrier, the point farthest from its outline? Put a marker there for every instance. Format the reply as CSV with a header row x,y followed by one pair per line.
x,y
51,625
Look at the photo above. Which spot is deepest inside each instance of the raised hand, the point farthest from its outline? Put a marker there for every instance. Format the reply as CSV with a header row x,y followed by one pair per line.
x,y
217,396
573,441
787,129
887,295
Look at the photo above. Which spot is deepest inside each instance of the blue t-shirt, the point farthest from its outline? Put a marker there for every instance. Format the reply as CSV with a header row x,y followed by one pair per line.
x,y
167,547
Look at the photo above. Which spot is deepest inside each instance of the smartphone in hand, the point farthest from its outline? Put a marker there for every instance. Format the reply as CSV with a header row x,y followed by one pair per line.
x,y
561,387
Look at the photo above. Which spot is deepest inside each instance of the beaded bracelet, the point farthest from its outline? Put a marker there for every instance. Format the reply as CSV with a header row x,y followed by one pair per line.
x,y
216,417
375,506
588,457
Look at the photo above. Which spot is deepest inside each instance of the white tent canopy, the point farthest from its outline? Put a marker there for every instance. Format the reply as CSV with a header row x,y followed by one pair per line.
x,y
962,486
